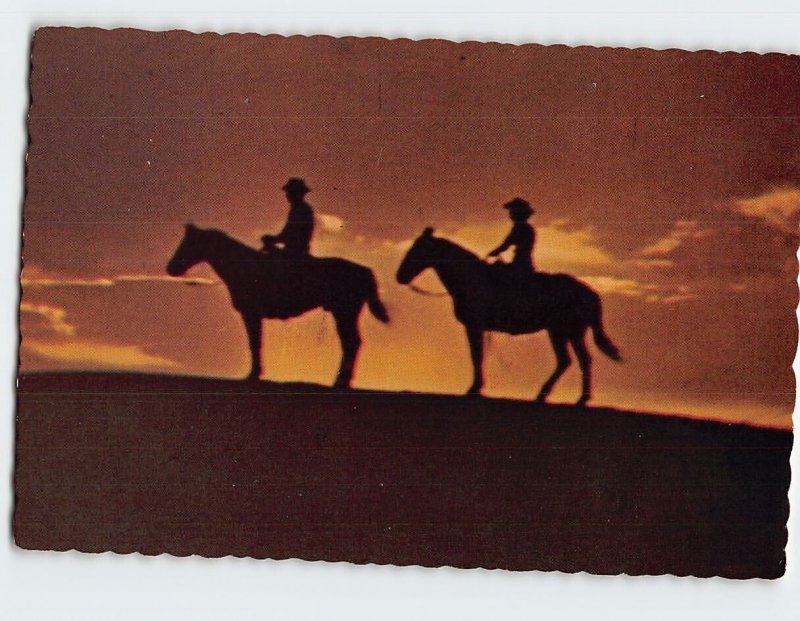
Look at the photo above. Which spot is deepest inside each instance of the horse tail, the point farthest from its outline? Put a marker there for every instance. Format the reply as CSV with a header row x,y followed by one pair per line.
x,y
374,302
601,339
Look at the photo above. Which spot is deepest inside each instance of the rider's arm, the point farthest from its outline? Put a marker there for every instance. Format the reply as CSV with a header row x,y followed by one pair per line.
x,y
291,223
509,241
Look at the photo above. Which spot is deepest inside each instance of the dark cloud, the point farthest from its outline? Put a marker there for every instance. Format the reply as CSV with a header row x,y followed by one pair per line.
x,y
749,238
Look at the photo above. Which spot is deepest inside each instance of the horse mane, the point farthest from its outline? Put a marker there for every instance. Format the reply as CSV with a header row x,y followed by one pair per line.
x,y
459,253
221,238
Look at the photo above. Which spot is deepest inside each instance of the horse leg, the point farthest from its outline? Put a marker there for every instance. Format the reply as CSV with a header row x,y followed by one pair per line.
x,y
562,364
585,362
252,324
347,328
475,338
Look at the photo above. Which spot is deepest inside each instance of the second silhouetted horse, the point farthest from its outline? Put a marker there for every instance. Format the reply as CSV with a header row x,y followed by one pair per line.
x,y
276,287
489,297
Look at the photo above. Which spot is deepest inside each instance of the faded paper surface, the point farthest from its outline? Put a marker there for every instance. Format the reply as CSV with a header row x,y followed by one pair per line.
x,y
667,182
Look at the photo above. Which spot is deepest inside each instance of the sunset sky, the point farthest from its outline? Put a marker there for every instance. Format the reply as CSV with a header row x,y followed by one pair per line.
x,y
668,181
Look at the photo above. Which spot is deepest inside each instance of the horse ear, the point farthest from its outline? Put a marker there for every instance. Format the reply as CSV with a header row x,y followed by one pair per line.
x,y
428,232
190,226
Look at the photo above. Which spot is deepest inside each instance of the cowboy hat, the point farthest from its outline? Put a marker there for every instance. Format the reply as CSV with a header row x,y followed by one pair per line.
x,y
519,205
296,184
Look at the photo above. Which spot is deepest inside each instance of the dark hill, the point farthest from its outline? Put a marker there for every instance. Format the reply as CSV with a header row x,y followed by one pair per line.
x,y
146,463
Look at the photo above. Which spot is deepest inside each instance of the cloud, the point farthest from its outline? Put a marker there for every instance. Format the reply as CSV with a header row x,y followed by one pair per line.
x,y
87,353
651,293
557,246
674,298
560,249
44,281
66,282
779,207
759,244
397,247
329,223
576,251
186,280
682,231
619,286
55,317
56,340
652,263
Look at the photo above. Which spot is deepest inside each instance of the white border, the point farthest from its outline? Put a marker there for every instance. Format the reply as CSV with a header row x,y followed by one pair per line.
x,y
61,586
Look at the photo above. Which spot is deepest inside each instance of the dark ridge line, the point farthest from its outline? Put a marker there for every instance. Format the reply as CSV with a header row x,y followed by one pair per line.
x,y
309,389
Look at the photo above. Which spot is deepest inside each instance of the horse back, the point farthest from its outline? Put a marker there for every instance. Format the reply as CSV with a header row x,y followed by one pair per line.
x,y
287,288
341,273
517,303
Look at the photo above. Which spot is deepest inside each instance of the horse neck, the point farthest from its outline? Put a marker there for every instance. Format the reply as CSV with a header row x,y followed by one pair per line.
x,y
228,257
456,267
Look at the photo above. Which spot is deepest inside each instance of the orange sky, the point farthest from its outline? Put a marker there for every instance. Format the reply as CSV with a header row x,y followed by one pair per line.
x,y
668,181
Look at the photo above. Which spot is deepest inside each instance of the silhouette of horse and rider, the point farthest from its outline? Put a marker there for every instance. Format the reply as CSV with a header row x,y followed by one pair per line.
x,y
284,280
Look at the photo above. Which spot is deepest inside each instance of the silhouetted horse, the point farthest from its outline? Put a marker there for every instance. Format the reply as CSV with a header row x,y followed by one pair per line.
x,y
275,287
491,297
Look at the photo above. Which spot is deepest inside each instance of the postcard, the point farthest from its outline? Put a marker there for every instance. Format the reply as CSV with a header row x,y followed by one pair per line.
x,y
408,302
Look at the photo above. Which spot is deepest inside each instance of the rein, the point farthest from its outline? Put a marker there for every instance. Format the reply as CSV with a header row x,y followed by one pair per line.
x,y
431,294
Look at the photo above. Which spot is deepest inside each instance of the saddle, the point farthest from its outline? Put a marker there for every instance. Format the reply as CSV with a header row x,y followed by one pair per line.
x,y
273,252
518,295
509,276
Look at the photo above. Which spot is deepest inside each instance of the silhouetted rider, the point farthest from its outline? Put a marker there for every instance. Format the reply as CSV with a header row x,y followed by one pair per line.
x,y
521,237
295,238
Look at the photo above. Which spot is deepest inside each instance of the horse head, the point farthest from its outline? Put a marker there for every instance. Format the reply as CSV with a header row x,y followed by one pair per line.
x,y
417,259
189,252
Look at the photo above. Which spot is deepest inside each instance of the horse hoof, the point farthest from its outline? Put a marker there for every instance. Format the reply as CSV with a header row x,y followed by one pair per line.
x,y
540,399
582,401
